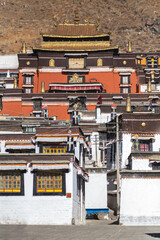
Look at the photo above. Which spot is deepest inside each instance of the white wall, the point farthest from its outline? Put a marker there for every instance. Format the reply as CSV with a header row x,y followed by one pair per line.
x,y
29,209
126,149
75,198
141,164
102,117
156,143
9,61
96,191
140,201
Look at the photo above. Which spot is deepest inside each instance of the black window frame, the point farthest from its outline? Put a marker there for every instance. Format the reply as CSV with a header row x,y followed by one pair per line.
x,y
24,79
63,193
39,108
21,193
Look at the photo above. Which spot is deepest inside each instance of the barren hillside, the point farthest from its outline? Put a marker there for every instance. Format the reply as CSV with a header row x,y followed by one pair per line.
x,y
135,20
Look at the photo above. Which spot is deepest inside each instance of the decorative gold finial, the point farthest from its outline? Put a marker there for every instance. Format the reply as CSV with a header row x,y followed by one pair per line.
x,y
129,46
76,18
55,20
42,87
98,21
15,82
86,21
66,21
128,104
149,86
152,75
24,47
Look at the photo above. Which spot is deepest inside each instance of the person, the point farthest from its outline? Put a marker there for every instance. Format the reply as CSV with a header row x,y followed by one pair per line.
x,y
99,99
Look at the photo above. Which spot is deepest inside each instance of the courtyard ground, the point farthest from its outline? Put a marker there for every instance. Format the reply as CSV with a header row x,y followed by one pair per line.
x,y
93,230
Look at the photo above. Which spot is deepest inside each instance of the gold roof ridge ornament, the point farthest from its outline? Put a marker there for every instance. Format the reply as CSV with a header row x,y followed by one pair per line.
x,y
129,46
24,48
55,20
98,21
76,17
15,82
42,87
128,104
149,89
66,21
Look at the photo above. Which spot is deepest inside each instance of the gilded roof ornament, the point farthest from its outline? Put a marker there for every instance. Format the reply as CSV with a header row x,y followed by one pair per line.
x,y
149,88
76,17
66,21
98,21
128,104
86,21
129,46
55,20
24,48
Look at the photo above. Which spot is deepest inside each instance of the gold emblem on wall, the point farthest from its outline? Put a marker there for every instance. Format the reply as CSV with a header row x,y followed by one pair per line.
x,y
28,63
99,62
77,105
51,63
75,79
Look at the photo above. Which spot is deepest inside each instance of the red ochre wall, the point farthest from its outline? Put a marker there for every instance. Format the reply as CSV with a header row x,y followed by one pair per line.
x,y
111,81
12,108
61,111
51,78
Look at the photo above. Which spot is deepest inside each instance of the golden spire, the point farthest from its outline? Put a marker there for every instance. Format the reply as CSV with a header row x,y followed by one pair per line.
x,y
24,47
76,17
128,104
55,20
149,86
15,82
43,87
129,46
98,21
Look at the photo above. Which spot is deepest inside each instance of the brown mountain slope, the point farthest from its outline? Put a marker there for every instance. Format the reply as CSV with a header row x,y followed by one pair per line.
x,y
24,20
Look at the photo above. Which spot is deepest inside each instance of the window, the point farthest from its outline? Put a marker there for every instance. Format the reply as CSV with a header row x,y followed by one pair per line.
x,y
11,182
28,90
152,62
125,79
28,79
156,166
49,183
37,104
142,145
29,129
56,149
125,90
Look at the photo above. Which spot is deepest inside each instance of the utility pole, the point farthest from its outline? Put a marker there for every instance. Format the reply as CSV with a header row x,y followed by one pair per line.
x,y
117,160
103,148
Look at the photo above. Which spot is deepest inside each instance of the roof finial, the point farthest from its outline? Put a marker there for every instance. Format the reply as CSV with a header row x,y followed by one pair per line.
x,y
129,46
149,89
24,47
98,21
15,82
76,17
42,87
128,104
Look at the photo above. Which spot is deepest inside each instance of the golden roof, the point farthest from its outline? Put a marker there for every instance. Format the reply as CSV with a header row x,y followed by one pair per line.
x,y
76,46
74,34
76,30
